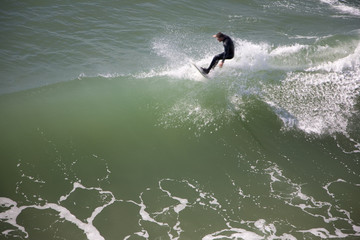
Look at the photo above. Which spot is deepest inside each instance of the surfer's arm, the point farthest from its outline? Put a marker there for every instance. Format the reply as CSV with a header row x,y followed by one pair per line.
x,y
221,63
226,52
224,56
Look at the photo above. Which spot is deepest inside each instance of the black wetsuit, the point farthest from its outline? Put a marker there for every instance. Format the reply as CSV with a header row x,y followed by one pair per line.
x,y
227,54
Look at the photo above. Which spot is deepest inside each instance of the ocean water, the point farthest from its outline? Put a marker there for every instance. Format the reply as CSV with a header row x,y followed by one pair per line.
x,y
108,131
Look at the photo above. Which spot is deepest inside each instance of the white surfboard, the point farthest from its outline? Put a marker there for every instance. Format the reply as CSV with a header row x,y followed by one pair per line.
x,y
200,71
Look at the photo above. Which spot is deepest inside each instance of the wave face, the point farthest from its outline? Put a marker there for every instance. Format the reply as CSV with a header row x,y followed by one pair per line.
x,y
109,132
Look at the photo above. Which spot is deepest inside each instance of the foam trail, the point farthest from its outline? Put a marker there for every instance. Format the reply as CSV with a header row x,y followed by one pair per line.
x,y
87,227
182,202
11,215
145,216
330,213
235,233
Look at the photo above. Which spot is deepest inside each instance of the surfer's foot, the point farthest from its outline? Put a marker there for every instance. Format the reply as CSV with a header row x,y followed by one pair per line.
x,y
205,70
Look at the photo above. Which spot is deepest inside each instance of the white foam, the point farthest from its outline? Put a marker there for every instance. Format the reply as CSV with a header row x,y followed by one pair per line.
x,y
87,227
178,63
324,233
342,7
11,214
7,232
76,185
269,231
143,234
233,233
249,56
110,75
183,203
287,50
316,102
242,194
210,202
303,37
356,229
103,75
144,214
350,62
326,187
174,209
328,212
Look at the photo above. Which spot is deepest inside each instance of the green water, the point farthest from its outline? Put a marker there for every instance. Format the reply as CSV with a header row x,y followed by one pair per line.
x,y
108,132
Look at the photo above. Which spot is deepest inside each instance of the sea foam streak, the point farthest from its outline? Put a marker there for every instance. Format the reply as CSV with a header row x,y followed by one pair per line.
x,y
87,227
193,196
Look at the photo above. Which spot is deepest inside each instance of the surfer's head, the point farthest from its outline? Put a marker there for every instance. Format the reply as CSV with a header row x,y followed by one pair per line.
x,y
219,36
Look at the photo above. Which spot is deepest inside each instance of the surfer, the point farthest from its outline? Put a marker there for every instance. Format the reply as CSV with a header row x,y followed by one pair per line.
x,y
227,54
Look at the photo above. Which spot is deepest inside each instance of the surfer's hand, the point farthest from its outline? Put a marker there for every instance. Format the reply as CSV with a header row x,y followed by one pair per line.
x,y
221,64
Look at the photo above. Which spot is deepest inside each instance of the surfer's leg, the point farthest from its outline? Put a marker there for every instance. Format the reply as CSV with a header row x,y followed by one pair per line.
x,y
215,61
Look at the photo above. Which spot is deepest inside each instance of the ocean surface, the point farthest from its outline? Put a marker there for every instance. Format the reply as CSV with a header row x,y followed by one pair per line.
x,y
108,132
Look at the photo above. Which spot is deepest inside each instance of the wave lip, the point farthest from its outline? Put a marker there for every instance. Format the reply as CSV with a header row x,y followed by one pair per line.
x,y
342,7
319,99
349,62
